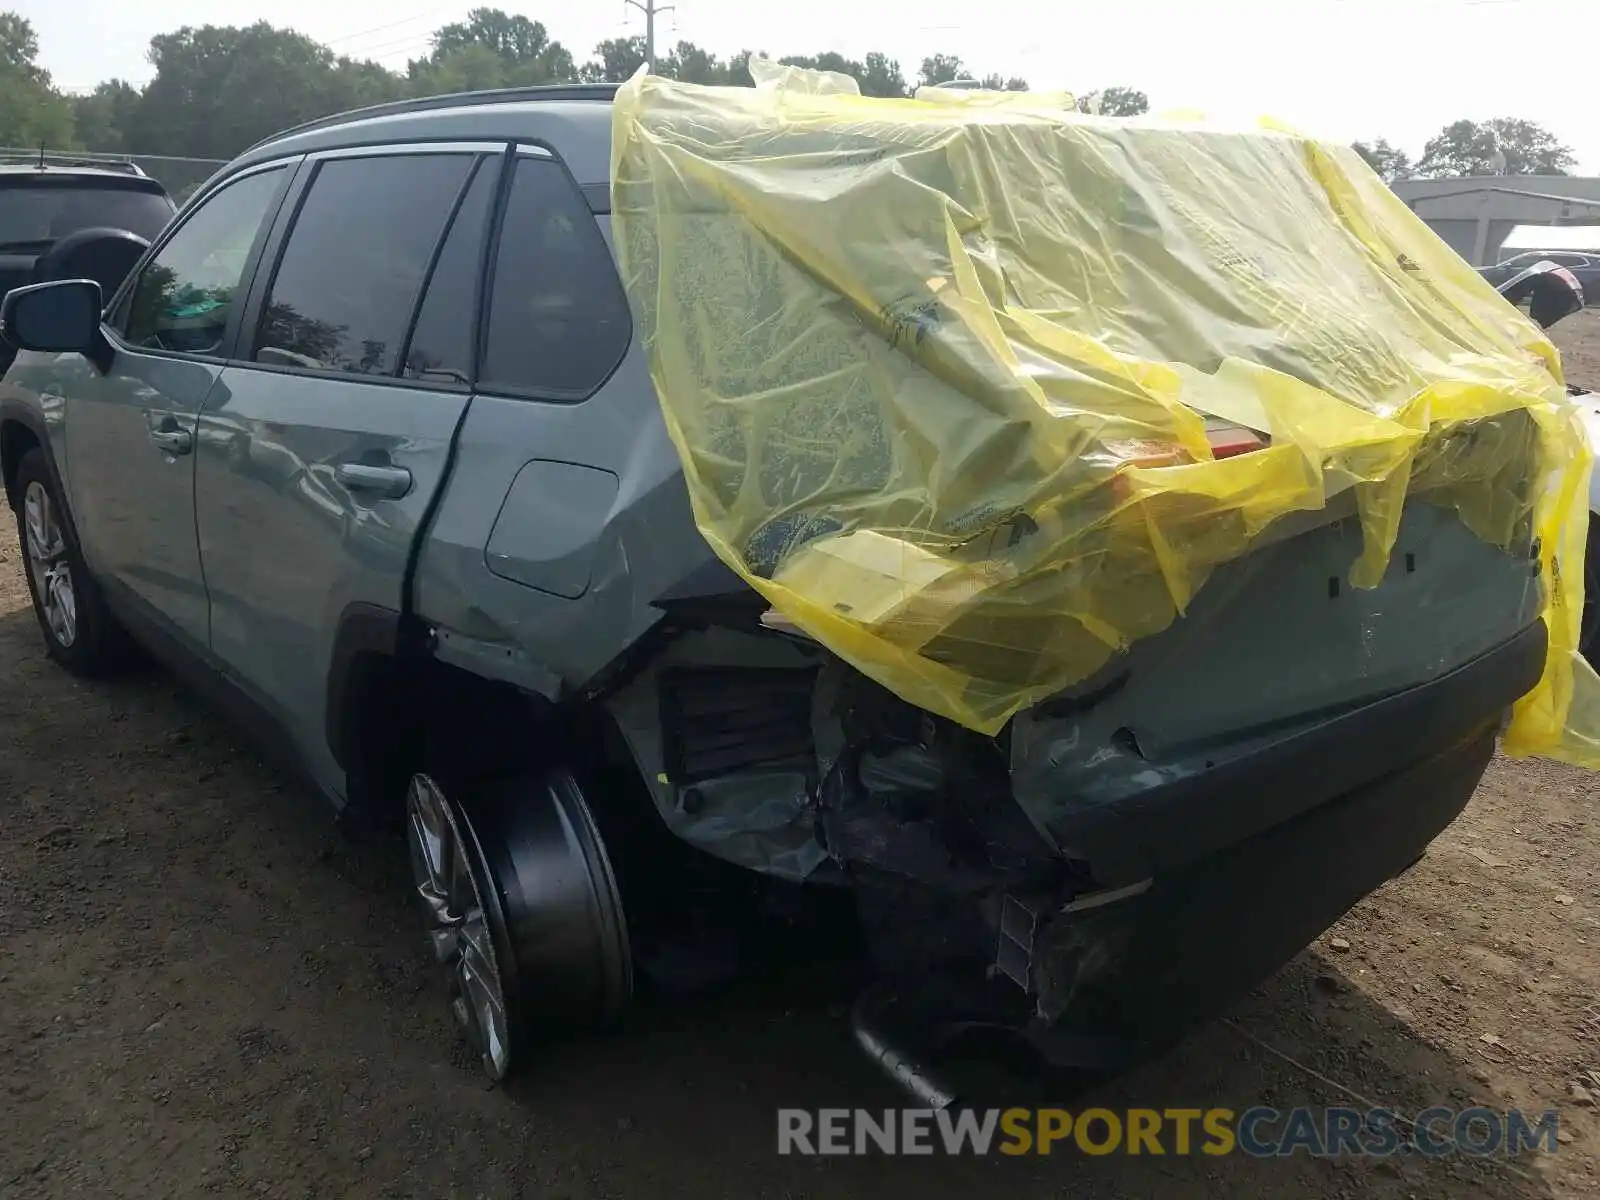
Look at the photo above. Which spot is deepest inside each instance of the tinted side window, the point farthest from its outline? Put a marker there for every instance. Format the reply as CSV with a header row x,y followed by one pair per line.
x,y
184,296
442,344
355,260
558,320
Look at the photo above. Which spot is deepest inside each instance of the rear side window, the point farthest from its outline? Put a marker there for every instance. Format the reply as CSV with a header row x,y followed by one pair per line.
x,y
558,319
355,261
442,344
184,296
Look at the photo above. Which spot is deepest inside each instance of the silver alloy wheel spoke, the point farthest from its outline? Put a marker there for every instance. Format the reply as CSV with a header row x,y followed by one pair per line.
x,y
480,985
458,927
431,850
48,569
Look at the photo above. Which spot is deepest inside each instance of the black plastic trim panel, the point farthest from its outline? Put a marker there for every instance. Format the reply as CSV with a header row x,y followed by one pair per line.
x,y
1197,814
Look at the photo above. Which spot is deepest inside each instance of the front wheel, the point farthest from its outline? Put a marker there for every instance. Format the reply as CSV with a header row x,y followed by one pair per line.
x,y
79,631
523,910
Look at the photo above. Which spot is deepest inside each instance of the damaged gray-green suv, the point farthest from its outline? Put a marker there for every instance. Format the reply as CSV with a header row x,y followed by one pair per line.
x,y
366,444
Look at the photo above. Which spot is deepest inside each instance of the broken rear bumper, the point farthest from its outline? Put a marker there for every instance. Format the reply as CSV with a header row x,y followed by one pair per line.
x,y
1096,987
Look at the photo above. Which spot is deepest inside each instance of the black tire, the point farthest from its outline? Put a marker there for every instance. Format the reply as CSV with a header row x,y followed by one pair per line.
x,y
95,644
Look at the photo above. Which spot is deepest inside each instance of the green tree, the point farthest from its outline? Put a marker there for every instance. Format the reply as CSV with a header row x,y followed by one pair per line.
x,y
826,61
463,69
1502,146
739,69
513,38
880,76
1390,162
615,60
32,112
1115,102
947,68
491,49
358,83
524,46
876,75
218,89
941,68
100,118
19,48
691,64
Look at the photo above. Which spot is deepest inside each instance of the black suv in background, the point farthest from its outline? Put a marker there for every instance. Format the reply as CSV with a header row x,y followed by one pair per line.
x,y
47,202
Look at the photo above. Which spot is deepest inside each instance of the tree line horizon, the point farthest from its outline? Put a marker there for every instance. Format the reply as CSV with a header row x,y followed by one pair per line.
x,y
218,89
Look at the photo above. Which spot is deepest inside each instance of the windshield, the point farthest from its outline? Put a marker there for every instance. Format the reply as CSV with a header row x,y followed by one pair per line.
x,y
44,214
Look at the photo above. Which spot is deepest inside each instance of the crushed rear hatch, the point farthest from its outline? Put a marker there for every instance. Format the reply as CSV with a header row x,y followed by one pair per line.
x,y
986,397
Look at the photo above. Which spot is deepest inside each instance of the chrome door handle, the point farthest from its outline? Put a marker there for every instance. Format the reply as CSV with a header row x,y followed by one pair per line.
x,y
173,441
389,482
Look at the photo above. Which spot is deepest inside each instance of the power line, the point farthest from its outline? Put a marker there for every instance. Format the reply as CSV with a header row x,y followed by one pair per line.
x,y
421,16
399,46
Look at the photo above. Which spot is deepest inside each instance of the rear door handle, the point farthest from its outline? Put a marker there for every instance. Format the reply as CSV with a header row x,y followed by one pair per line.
x,y
389,482
173,441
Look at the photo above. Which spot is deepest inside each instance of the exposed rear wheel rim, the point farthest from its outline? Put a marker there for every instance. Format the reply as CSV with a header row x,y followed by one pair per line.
x,y
48,569
523,910
563,905
450,879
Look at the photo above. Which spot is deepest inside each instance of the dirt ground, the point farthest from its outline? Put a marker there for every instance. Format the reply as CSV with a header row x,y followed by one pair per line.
x,y
206,989
1578,338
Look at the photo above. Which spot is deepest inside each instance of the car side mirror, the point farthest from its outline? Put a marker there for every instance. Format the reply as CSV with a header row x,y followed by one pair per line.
x,y
60,318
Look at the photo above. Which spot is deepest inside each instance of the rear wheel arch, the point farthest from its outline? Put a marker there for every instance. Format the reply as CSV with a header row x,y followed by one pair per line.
x,y
17,437
394,710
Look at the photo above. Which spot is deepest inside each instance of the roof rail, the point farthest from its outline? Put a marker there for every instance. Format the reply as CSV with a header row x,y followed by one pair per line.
x,y
10,156
602,92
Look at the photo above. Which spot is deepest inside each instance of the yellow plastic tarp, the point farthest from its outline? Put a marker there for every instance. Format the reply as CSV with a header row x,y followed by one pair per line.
x,y
939,371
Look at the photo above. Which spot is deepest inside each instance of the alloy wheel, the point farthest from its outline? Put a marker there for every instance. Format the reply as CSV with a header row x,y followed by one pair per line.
x,y
450,877
48,568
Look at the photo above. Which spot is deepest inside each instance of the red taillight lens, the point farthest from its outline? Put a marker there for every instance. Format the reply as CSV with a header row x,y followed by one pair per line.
x,y
1229,440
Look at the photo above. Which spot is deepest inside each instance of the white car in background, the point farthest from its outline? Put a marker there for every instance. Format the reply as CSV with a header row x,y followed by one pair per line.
x,y
1590,401
1552,293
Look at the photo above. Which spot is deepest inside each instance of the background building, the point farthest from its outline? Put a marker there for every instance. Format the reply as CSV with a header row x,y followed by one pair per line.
x,y
1474,215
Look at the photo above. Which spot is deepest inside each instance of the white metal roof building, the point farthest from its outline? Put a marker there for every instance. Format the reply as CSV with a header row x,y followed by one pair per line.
x,y
1578,239
1477,215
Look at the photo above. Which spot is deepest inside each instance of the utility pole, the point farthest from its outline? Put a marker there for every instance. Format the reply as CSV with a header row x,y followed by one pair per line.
x,y
650,9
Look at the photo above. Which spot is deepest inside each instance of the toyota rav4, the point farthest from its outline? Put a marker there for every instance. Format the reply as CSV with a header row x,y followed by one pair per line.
x,y
368,447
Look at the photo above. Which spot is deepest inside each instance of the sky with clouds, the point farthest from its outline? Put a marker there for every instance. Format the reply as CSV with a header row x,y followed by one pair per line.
x,y
1348,69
